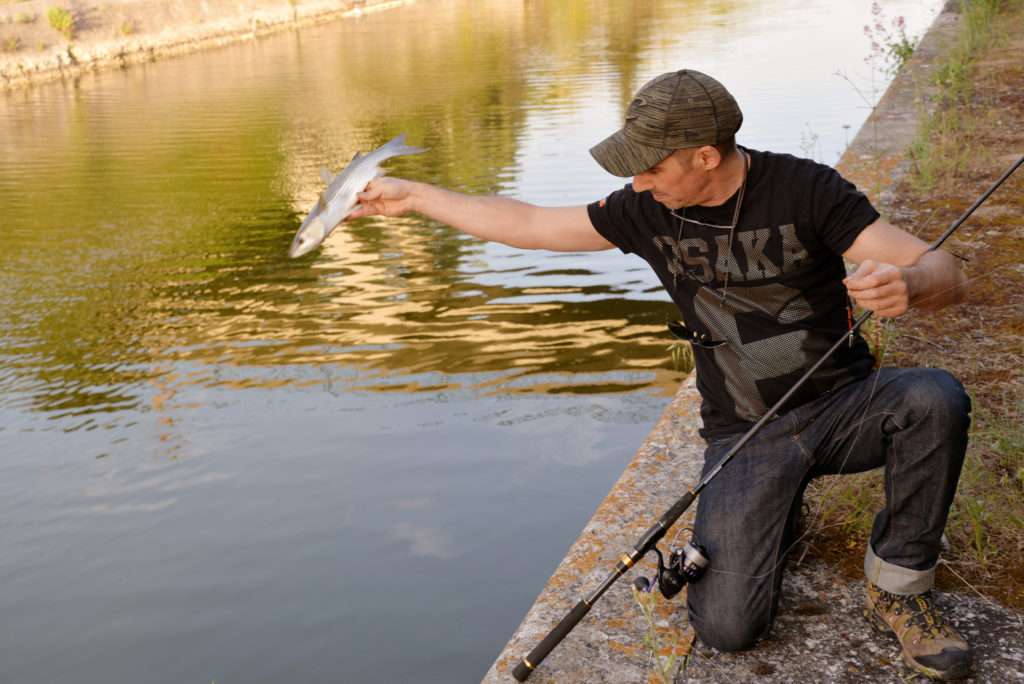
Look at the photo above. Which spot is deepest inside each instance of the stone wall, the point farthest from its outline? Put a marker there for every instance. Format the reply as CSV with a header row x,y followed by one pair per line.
x,y
118,33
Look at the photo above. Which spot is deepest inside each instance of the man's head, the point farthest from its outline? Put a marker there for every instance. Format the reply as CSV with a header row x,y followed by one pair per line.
x,y
678,125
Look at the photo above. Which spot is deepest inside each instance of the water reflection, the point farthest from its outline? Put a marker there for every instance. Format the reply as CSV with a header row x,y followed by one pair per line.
x,y
147,212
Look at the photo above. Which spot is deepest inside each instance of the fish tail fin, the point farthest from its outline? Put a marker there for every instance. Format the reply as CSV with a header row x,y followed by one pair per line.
x,y
396,146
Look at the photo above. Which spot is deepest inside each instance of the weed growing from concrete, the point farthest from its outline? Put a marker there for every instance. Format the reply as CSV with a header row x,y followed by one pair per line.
x,y
891,47
889,40
669,647
682,356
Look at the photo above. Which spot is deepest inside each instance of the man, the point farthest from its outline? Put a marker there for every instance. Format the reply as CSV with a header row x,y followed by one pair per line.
x,y
750,247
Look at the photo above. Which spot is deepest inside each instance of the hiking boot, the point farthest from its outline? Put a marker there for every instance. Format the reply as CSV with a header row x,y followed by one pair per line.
x,y
930,646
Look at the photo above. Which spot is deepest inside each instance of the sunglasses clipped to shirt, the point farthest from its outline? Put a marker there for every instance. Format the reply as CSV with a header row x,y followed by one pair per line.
x,y
680,331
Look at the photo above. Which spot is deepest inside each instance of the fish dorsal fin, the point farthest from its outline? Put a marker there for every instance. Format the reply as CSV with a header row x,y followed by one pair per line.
x,y
356,157
321,202
326,176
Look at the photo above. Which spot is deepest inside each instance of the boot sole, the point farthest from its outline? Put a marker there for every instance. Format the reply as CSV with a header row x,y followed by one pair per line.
x,y
881,626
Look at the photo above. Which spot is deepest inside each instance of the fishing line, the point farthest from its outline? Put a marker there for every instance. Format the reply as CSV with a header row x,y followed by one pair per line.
x,y
888,328
818,514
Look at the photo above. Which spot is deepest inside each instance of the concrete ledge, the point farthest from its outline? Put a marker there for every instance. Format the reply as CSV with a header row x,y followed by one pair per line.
x,y
607,645
188,26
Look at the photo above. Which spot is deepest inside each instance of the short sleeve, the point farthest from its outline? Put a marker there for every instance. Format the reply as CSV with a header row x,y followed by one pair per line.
x,y
839,211
615,218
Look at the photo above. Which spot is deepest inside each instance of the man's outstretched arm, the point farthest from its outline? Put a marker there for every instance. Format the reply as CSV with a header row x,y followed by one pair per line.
x,y
896,271
497,219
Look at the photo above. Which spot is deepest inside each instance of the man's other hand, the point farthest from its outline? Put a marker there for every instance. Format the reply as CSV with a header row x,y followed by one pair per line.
x,y
879,287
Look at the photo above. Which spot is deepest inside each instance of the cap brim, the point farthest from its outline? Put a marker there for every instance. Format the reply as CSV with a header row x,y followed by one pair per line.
x,y
620,156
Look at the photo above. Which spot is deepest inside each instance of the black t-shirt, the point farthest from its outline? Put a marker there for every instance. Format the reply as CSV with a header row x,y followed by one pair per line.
x,y
785,303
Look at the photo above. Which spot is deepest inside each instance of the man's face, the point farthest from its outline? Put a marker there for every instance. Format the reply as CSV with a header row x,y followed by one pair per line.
x,y
676,181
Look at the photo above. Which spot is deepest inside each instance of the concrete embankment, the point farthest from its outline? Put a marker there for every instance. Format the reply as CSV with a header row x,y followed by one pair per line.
x,y
119,33
820,634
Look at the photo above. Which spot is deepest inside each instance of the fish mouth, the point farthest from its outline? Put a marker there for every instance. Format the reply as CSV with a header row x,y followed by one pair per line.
x,y
300,248
309,237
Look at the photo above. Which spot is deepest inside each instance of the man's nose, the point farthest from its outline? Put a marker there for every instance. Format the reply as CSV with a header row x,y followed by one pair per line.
x,y
641,183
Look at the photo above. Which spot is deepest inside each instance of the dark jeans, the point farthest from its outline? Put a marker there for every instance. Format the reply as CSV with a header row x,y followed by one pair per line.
x,y
912,421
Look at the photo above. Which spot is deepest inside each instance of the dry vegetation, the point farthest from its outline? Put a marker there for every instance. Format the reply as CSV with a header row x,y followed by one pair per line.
x,y
977,132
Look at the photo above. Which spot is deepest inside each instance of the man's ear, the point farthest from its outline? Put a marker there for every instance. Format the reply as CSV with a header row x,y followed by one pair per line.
x,y
707,158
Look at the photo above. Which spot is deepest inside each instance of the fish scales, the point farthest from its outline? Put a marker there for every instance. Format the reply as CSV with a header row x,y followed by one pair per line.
x,y
339,197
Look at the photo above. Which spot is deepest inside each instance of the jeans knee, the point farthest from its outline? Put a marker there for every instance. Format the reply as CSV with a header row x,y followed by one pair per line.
x,y
729,635
936,395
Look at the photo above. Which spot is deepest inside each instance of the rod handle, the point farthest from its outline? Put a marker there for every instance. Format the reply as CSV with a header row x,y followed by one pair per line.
x,y
541,650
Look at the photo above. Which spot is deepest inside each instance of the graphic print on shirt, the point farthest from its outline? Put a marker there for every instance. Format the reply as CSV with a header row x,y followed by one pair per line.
x,y
756,350
690,256
757,320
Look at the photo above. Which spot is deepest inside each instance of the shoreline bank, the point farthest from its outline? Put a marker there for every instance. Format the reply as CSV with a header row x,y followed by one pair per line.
x,y
122,33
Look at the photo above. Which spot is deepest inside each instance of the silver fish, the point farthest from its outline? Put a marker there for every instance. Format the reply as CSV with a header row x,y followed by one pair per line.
x,y
339,198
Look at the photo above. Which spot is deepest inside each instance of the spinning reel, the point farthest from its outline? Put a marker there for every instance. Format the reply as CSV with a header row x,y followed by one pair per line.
x,y
685,565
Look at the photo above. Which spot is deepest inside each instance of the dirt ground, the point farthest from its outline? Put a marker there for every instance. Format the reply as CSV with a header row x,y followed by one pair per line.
x,y
981,341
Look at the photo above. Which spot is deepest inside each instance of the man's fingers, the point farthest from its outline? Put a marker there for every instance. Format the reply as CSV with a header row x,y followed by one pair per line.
x,y
368,209
869,276
886,308
886,291
887,299
865,268
873,287
879,299
867,282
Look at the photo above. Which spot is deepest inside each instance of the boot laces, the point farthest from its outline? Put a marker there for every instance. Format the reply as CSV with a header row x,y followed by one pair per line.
x,y
921,610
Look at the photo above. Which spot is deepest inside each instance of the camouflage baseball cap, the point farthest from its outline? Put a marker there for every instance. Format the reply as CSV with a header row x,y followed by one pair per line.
x,y
675,110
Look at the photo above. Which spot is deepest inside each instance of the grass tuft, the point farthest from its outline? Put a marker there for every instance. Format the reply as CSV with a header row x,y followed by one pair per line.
x,y
682,356
939,151
62,21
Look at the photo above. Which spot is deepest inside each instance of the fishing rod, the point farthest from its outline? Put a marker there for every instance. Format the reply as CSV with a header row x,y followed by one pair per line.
x,y
688,564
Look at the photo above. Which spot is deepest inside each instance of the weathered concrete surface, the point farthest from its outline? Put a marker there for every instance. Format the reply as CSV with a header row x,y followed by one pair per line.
x,y
118,33
820,634
607,645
